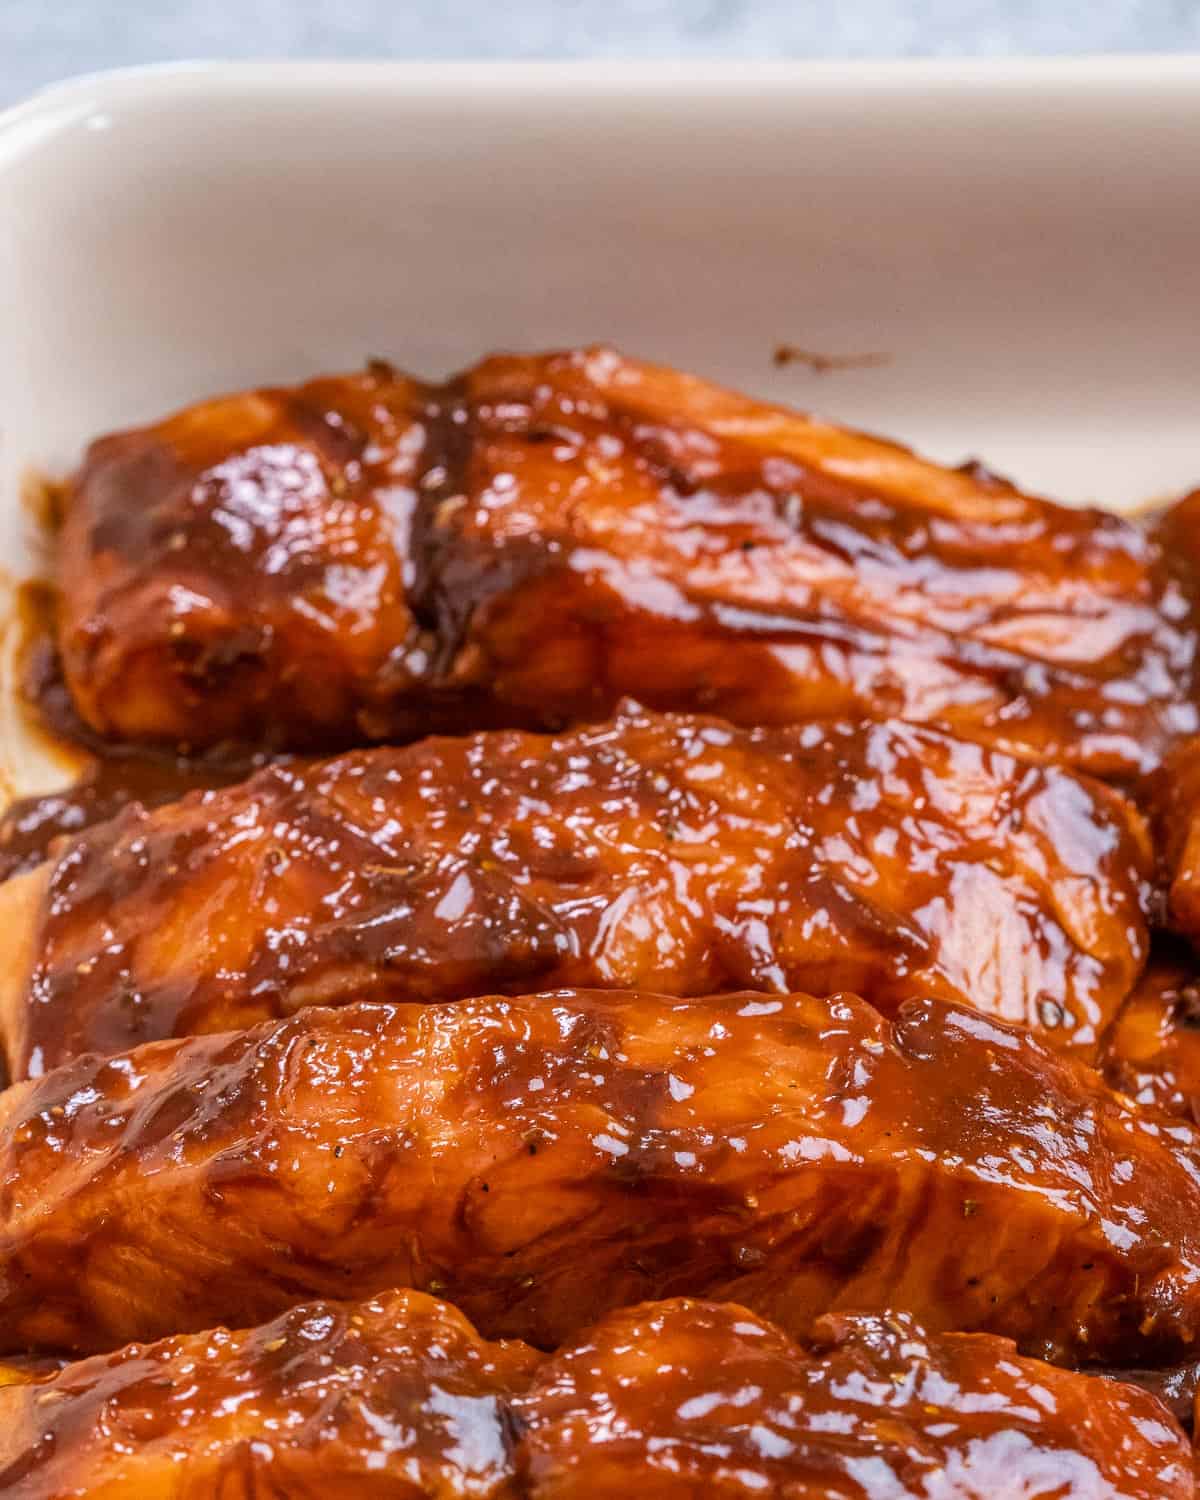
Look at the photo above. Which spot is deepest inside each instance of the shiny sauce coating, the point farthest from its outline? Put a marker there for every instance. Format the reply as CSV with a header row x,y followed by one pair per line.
x,y
1152,1051
671,853
31,827
540,1161
398,1398
368,557
392,1399
709,1401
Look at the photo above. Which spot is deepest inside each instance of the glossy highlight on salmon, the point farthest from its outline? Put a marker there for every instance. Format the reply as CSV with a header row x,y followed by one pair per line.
x,y
399,1398
542,1160
673,853
369,557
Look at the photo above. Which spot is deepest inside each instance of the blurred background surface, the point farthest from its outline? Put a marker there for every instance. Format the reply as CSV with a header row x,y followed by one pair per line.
x,y
42,40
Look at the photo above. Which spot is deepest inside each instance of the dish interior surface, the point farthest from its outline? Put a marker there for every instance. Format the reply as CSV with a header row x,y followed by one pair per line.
x,y
1012,247
995,265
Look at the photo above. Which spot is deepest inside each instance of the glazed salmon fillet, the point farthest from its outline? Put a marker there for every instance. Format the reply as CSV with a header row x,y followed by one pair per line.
x,y
540,1161
678,854
370,557
397,1398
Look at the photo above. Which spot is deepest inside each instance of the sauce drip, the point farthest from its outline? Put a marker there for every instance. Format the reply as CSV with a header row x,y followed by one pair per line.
x,y
112,776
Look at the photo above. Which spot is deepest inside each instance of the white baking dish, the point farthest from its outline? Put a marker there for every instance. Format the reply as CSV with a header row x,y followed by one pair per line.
x,y
1022,240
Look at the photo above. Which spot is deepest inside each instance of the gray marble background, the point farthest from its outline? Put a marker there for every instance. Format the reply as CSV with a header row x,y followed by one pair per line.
x,y
41,40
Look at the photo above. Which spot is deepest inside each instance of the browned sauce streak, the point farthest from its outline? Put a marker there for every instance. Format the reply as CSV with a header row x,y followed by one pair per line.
x,y
825,364
398,1398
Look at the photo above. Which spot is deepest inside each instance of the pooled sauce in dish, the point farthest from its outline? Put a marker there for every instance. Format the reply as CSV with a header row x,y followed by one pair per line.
x,y
30,826
112,775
